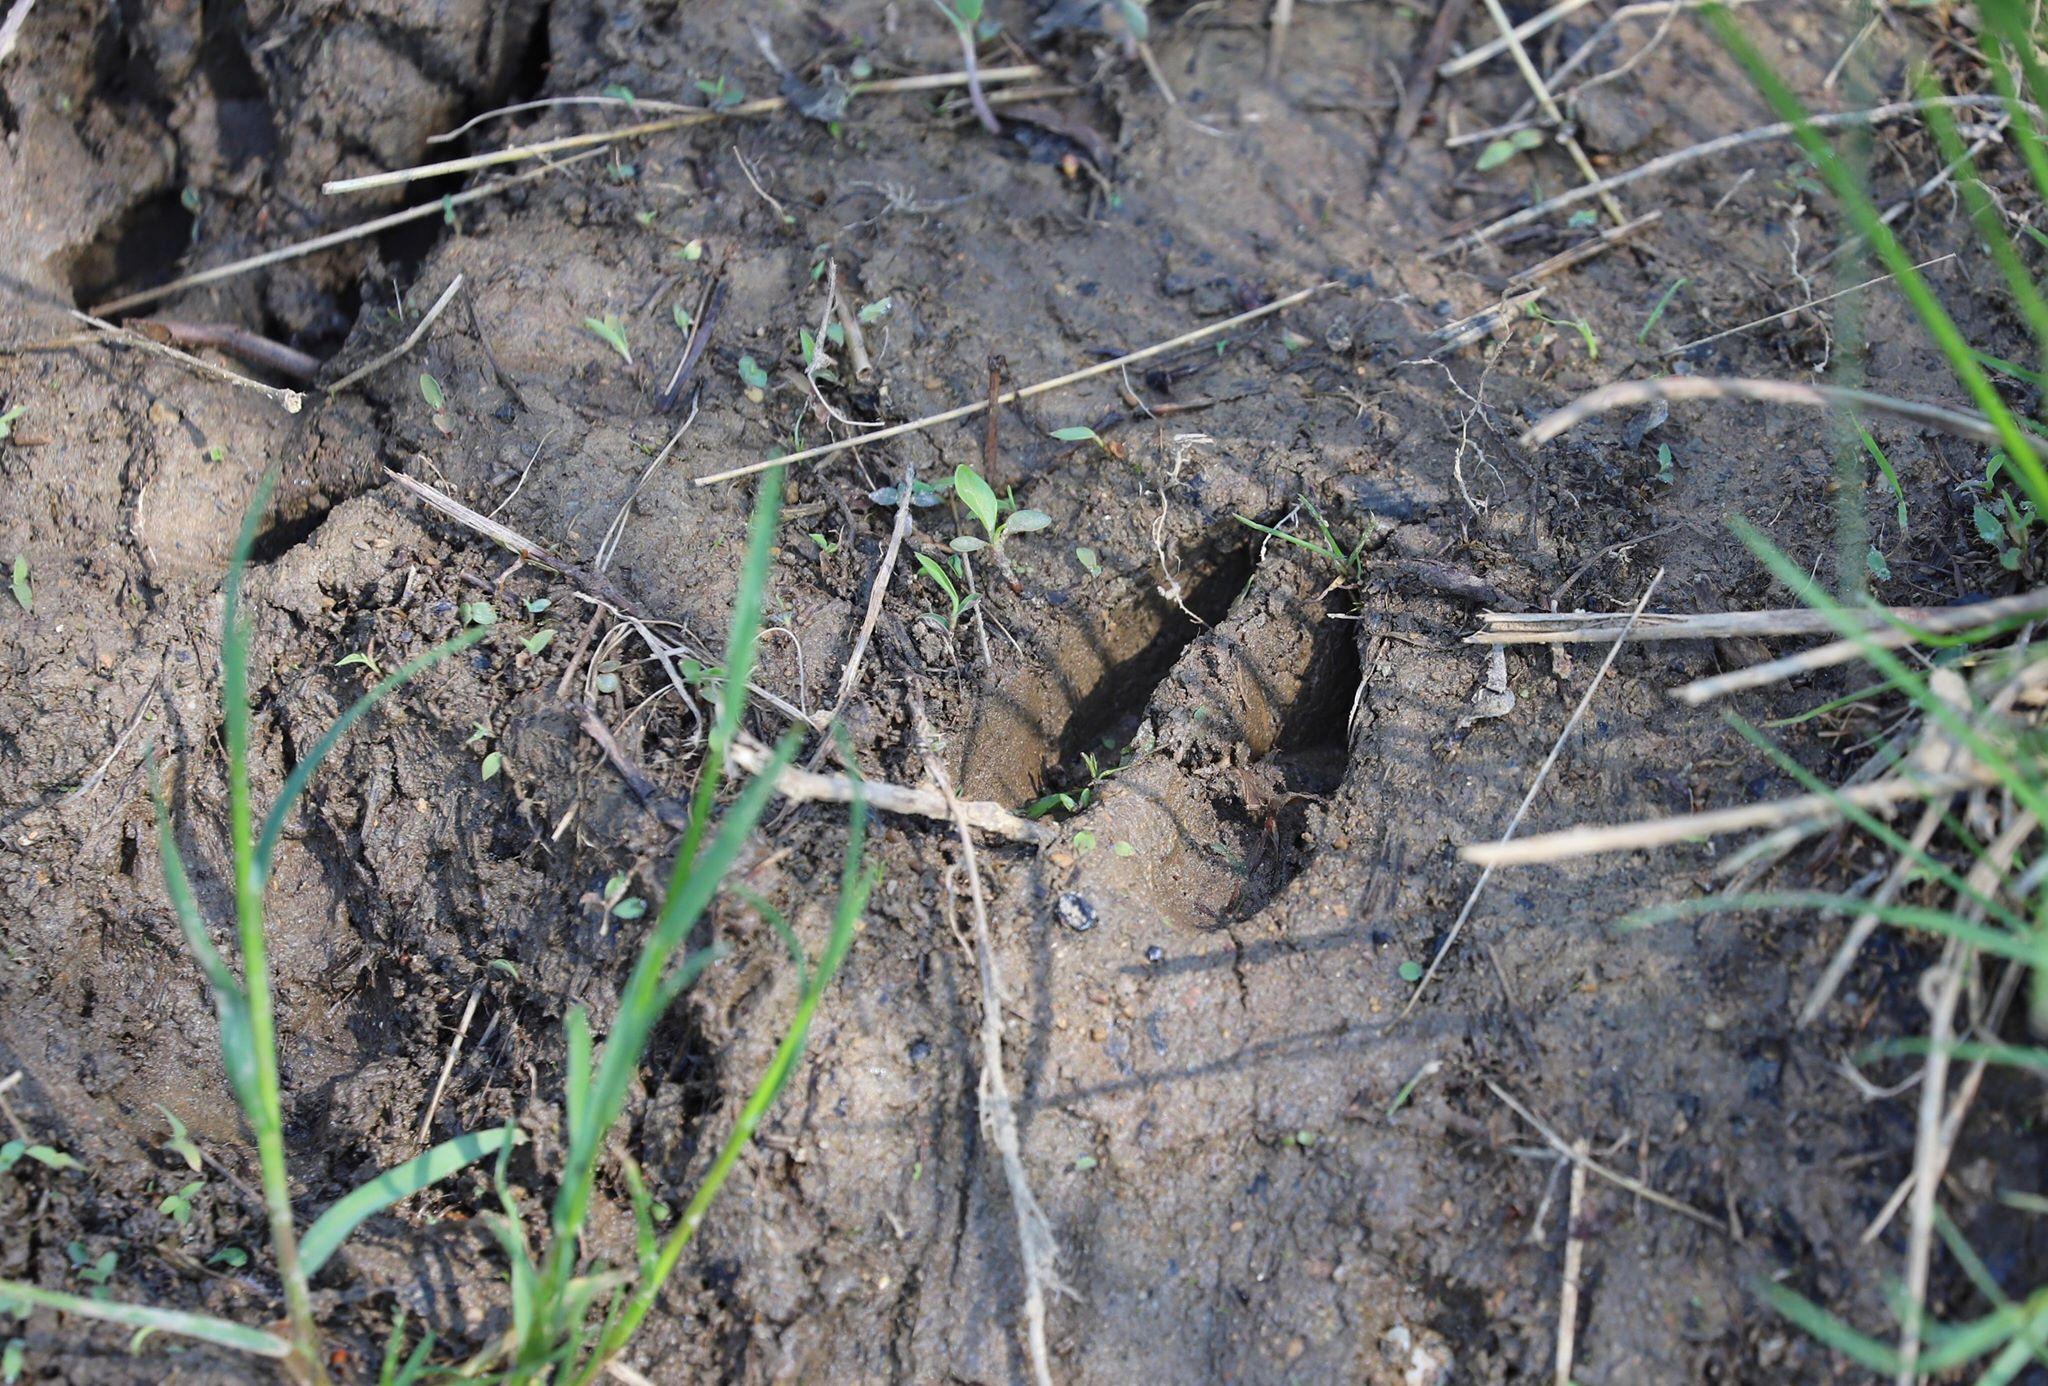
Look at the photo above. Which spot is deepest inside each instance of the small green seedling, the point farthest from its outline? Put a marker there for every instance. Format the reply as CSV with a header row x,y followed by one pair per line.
x,y
980,499
722,94
1081,433
825,545
872,313
612,332
24,595
1348,562
754,379
1665,475
363,658
479,613
1089,560
177,1206
617,903
181,1143
1098,773
965,16
538,641
15,1151
1578,325
922,494
1498,152
437,401
957,602
1663,302
8,418
493,763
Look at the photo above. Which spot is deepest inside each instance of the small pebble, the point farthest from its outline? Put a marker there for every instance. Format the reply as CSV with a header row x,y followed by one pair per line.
x,y
1075,912
1155,954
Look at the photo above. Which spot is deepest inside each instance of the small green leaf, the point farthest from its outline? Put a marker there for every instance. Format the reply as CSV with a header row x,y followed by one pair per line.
x,y
1075,433
12,1360
876,311
7,419
180,1144
1088,559
233,1257
612,333
682,317
1027,521
430,391
24,596
506,966
967,543
1411,971
1875,561
1494,155
493,763
632,907
479,614
751,374
1989,526
538,605
977,495
619,92
1084,1163
333,1227
1123,849
1084,841
538,641
692,252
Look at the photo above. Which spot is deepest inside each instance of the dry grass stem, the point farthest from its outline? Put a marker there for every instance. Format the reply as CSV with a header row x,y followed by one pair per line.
x,y
291,401
1681,157
1536,784
1785,315
374,226
764,106
1574,1260
412,339
808,786
1576,1153
968,411
1685,827
1626,394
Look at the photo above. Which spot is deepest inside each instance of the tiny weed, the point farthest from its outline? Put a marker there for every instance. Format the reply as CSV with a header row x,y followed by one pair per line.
x,y
1498,152
1325,546
950,584
8,418
1089,560
612,332
24,595
1663,302
365,659
980,499
1578,325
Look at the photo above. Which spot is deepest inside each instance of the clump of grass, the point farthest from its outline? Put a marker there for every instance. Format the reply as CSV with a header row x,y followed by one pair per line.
x,y
248,1025
1987,911
570,1315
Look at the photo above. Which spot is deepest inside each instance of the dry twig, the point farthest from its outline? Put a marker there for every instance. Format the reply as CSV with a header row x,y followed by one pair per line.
x,y
1542,773
412,339
1625,394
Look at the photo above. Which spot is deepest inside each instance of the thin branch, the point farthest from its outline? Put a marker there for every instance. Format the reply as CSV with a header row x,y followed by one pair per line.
x,y
412,339
1579,1158
1679,158
291,401
1626,394
809,786
375,226
968,411
765,106
1536,784
1664,832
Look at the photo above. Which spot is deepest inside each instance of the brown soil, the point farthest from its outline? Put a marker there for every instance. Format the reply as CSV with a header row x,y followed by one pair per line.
x,y
1205,1074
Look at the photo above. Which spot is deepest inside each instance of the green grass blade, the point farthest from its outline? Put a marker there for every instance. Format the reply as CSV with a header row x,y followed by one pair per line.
x,y
1814,1320
1879,829
576,1082
1868,223
230,1002
2005,367
2026,1342
2009,22
302,773
1916,917
333,1227
2009,1055
856,884
1335,556
206,1328
1891,473
234,671
1990,222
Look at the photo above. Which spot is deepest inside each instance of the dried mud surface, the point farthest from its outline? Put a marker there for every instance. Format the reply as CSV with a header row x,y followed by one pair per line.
x,y
1206,1073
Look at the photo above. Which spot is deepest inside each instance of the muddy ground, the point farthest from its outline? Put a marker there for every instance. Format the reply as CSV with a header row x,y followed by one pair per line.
x,y
1207,1074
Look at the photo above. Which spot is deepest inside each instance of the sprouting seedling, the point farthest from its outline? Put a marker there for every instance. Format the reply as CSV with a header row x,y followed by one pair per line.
x,y
24,595
437,401
980,499
244,1004
1663,302
612,333
1098,773
1498,152
964,15
363,658
1578,325
1081,433
722,94
1325,545
957,602
7,421
754,378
